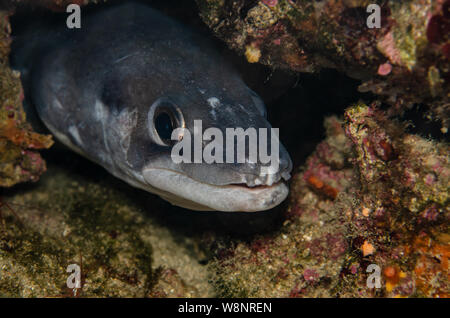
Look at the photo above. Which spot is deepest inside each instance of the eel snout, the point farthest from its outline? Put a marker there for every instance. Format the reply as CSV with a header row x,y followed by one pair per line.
x,y
186,192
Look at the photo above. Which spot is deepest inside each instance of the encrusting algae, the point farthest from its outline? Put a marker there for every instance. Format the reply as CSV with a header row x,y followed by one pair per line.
x,y
371,193
404,61
387,211
20,160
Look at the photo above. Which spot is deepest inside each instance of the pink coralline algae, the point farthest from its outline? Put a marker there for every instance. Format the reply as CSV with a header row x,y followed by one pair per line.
x,y
310,275
400,182
384,69
270,3
389,208
306,257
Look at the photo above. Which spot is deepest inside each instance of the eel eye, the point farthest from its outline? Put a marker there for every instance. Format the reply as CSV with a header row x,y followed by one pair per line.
x,y
163,117
164,126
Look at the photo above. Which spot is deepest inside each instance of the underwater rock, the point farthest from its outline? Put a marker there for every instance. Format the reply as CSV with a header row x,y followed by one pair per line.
x,y
402,204
19,159
305,257
369,194
405,61
71,218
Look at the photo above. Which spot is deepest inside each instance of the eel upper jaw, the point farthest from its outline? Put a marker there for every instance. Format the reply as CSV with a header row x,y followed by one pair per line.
x,y
181,190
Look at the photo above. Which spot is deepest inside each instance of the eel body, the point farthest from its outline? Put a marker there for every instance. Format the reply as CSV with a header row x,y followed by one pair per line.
x,y
114,90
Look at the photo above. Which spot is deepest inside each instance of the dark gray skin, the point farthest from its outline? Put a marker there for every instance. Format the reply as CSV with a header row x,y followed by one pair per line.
x,y
95,87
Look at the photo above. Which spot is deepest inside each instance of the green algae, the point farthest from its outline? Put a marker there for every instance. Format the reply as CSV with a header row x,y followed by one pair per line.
x,y
70,218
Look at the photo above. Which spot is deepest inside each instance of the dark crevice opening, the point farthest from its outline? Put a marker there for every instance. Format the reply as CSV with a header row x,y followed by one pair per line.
x,y
297,104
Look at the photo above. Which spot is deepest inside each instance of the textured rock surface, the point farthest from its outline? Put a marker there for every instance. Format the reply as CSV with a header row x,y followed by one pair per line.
x,y
19,159
97,223
369,194
406,61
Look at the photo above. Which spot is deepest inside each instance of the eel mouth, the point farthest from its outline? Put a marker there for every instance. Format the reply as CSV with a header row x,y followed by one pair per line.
x,y
181,190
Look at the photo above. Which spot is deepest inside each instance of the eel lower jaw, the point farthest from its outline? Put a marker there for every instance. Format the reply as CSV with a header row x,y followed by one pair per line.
x,y
181,190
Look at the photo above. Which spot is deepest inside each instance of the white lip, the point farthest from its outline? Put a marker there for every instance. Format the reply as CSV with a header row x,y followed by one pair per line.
x,y
186,192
